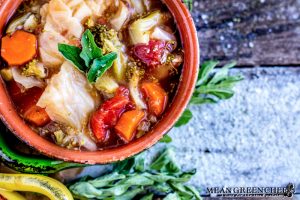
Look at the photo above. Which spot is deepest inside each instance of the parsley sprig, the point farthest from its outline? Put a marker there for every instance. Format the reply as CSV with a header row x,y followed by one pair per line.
x,y
212,87
89,59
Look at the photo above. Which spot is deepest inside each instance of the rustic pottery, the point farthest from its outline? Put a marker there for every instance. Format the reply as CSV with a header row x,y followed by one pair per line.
x,y
188,79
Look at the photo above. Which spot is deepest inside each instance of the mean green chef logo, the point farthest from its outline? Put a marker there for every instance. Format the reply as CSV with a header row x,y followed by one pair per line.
x,y
287,191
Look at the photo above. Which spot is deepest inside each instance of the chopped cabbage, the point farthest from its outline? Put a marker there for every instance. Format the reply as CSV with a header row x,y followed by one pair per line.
x,y
60,19
138,6
68,98
120,64
98,6
106,84
134,78
161,34
121,17
27,82
31,23
49,53
140,29
15,24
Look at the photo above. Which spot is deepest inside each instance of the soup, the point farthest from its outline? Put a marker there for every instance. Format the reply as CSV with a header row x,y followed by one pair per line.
x,y
91,75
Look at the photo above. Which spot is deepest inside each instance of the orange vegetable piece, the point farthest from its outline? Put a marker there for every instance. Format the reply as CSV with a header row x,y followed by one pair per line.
x,y
37,116
157,97
128,123
19,48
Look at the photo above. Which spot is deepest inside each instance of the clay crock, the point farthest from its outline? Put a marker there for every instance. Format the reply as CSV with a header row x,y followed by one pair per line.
x,y
187,83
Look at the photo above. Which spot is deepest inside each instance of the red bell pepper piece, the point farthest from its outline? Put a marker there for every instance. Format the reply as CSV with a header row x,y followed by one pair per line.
x,y
108,114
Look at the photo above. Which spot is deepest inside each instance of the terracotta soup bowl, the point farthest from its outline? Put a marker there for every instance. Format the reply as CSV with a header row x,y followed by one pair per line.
x,y
188,79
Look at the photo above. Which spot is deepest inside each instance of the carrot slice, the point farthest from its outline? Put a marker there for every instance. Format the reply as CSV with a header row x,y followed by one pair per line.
x,y
19,48
128,123
156,96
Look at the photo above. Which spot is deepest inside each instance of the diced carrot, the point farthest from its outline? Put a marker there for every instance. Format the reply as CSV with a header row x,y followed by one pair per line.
x,y
19,48
128,123
37,116
157,97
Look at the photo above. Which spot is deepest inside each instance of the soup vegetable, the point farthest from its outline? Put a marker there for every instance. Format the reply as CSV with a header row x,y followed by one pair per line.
x,y
91,74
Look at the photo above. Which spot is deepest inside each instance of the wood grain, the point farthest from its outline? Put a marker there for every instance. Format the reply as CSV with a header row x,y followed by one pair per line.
x,y
253,32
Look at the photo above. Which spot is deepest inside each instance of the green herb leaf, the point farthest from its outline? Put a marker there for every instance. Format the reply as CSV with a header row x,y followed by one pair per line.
x,y
166,139
107,179
161,177
100,66
204,100
211,87
205,71
182,190
165,163
194,191
90,50
185,118
72,54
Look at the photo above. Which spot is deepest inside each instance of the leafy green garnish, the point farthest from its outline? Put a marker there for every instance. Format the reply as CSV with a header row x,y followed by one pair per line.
x,y
90,50
72,53
211,87
89,58
133,179
100,66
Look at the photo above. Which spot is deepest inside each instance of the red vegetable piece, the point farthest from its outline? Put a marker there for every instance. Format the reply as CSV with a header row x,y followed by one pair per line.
x,y
108,114
151,54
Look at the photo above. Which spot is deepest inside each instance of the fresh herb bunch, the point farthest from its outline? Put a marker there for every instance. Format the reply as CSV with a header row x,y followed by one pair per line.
x,y
90,58
212,87
133,179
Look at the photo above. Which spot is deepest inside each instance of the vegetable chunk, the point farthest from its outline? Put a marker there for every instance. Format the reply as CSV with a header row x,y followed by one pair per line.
x,y
151,54
128,123
19,48
68,98
157,97
108,114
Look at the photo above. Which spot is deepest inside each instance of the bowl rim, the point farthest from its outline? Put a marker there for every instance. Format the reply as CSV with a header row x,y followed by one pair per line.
x,y
189,40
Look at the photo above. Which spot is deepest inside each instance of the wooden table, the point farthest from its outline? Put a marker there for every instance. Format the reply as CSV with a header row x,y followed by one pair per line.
x,y
252,32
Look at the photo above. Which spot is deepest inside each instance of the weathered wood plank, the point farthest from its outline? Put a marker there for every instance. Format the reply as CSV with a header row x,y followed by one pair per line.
x,y
253,32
